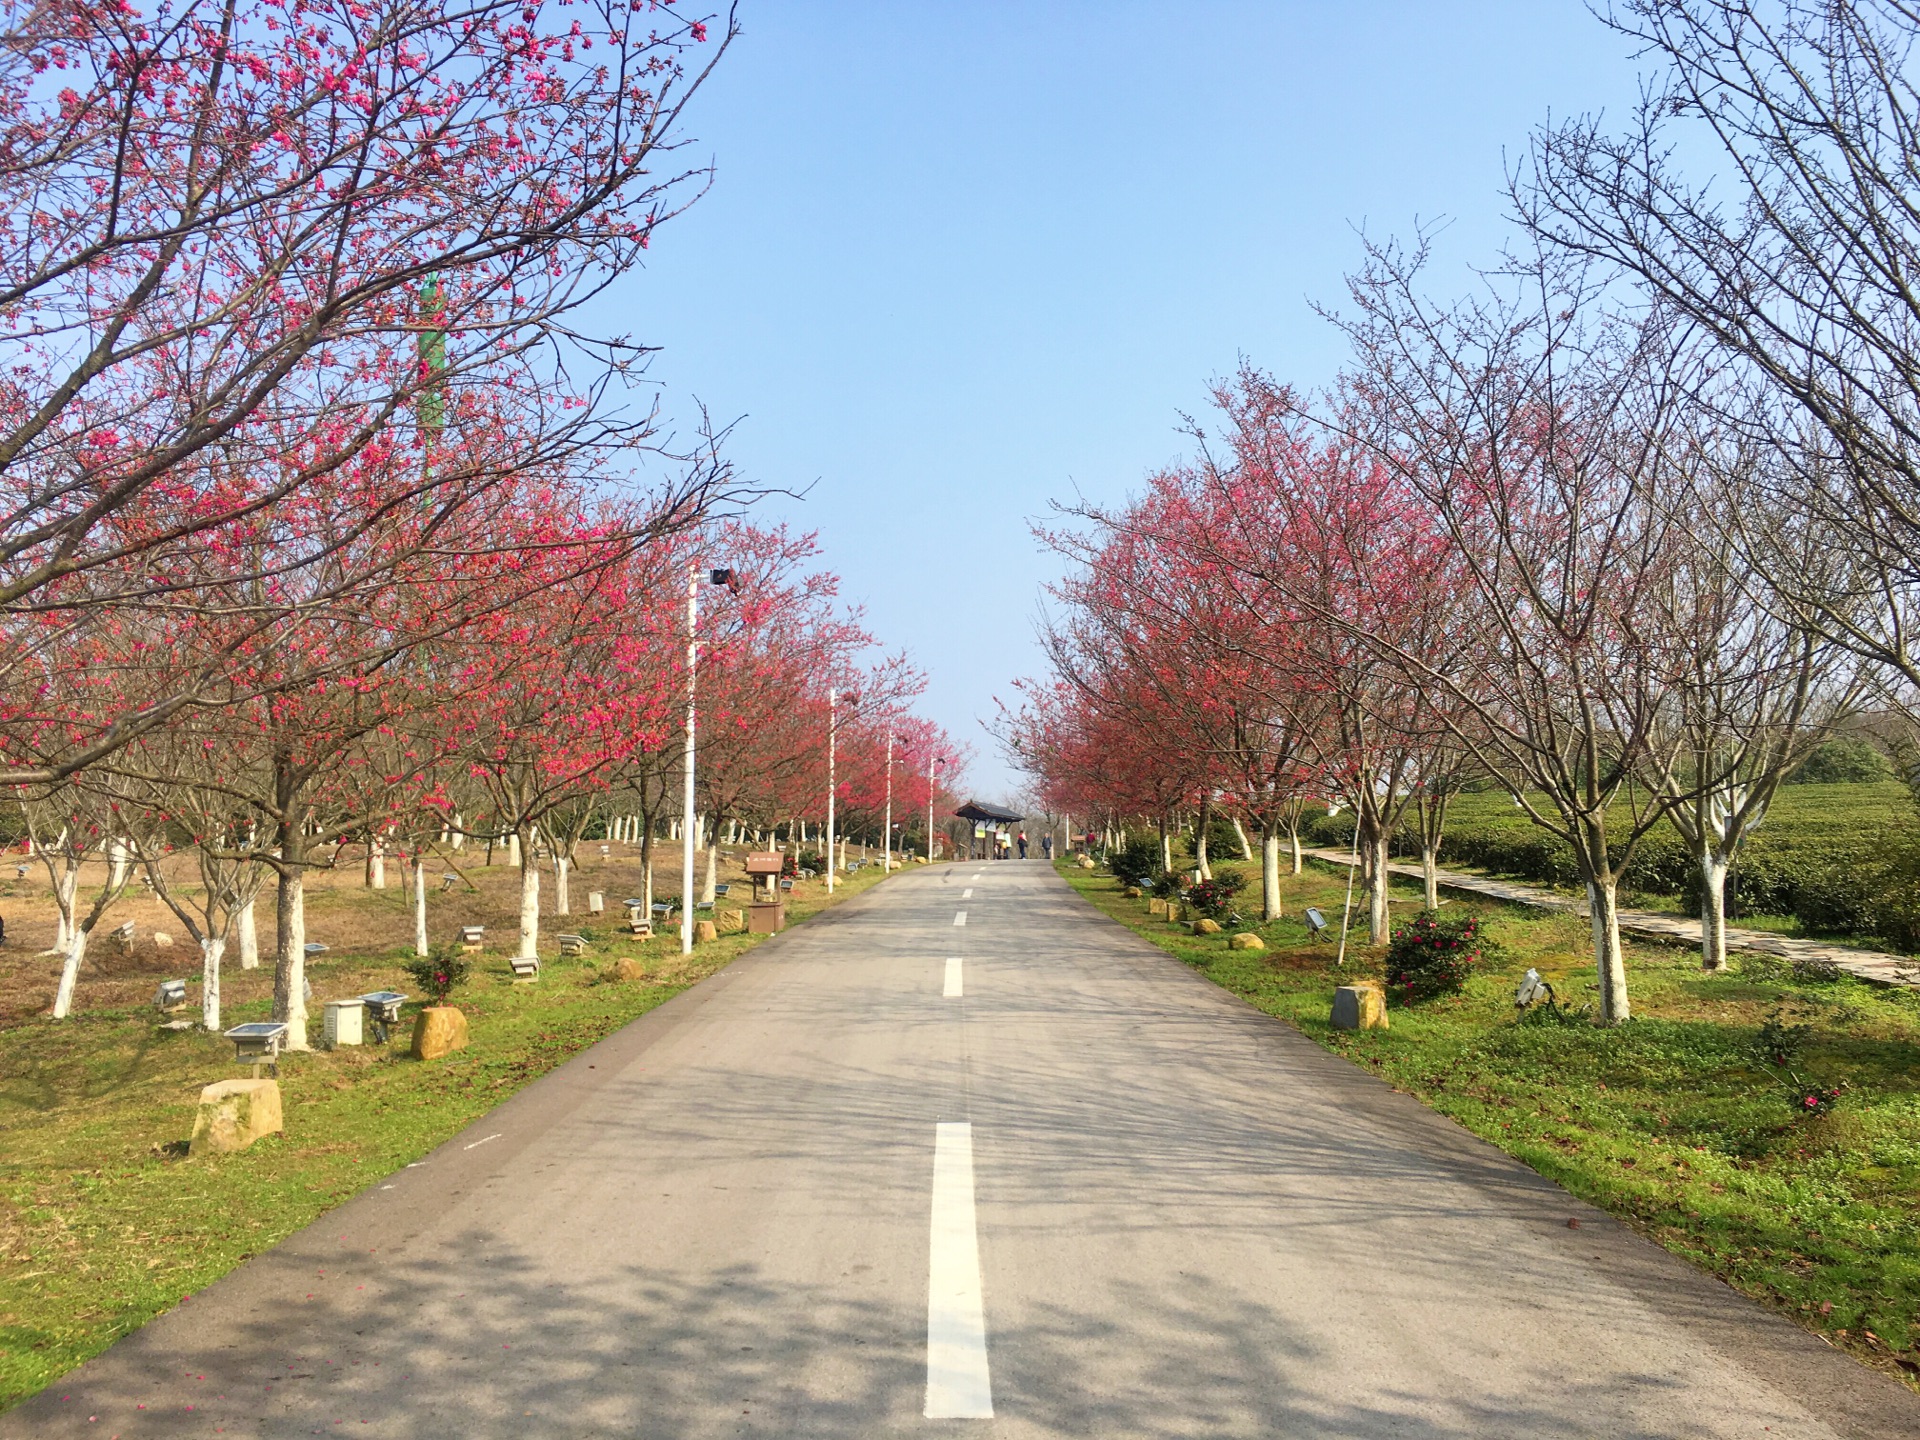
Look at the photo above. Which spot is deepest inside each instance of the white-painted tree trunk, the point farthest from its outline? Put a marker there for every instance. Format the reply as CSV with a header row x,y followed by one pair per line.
x,y
561,903
377,864
64,890
295,895
707,892
529,905
1240,833
515,850
1379,917
1270,875
117,862
69,974
1610,961
459,837
247,930
211,949
420,943
1299,853
1713,912
1430,875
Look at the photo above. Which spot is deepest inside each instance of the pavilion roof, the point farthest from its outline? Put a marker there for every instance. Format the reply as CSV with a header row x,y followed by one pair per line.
x,y
986,814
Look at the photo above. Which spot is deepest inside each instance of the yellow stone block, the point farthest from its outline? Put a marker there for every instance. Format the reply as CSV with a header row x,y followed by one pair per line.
x,y
440,1030
1359,1007
234,1114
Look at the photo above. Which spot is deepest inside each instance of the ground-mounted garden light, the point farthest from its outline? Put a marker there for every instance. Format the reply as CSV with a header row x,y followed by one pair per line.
x,y
1316,922
525,967
314,947
259,1043
472,937
171,996
447,882
383,1011
572,944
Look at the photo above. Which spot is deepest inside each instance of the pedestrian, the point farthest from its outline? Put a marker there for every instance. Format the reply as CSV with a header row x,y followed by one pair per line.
x,y
1023,844
1046,846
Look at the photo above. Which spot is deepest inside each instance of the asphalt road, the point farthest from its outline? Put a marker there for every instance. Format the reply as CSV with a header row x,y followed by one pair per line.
x,y
824,1195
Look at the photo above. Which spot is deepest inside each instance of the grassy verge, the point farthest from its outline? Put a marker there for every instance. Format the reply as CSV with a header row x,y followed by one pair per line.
x,y
103,1221
1669,1122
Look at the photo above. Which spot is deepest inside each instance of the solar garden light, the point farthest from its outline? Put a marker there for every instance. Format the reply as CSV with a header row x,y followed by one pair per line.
x,y
1316,922
172,995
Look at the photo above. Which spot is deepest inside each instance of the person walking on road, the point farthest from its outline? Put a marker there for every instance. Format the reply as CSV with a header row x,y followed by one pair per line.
x,y
1046,846
1023,844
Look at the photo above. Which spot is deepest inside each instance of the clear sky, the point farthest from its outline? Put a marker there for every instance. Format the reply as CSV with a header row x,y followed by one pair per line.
x,y
961,259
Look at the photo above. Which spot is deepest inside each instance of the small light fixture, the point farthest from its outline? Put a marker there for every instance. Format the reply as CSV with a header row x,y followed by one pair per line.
x,y
1316,922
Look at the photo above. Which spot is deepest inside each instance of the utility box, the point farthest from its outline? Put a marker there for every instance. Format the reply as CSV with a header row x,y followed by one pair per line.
x,y
768,919
345,1023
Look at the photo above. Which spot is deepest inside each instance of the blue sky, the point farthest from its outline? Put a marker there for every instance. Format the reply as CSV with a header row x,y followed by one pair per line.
x,y
961,259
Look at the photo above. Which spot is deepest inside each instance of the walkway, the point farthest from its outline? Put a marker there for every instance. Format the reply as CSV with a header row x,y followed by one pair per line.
x,y
963,1157
1874,965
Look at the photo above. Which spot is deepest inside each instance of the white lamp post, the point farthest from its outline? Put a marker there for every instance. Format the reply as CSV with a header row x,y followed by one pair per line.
x,y
687,827
886,828
931,762
833,728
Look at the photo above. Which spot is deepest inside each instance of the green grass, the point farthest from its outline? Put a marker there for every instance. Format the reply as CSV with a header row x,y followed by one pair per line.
x,y
104,1223
1668,1122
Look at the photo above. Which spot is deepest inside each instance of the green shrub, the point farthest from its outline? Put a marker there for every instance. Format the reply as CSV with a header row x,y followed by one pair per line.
x,y
1136,863
1846,761
1432,955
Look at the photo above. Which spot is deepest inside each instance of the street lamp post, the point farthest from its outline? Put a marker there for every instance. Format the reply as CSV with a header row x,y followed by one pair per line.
x,y
687,837
931,762
833,729
886,828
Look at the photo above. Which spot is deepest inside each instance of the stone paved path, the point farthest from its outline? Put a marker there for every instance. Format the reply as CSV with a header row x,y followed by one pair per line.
x,y
1874,965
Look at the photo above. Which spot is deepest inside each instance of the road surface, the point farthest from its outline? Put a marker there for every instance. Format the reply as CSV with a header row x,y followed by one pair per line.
x,y
964,1157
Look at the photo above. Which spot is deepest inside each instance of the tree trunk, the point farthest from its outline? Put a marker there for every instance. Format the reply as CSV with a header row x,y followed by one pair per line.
x,y
1299,854
420,943
1609,960
1166,848
529,901
377,863
515,851
290,967
1240,832
1200,865
1430,874
1379,919
211,949
70,973
249,934
1270,874
561,900
707,892
1713,911
65,889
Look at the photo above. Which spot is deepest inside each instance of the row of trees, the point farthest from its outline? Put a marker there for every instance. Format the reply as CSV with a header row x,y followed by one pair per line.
x,y
323,514
1625,533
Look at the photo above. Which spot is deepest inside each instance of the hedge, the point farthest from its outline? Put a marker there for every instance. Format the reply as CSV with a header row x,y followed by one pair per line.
x,y
1842,860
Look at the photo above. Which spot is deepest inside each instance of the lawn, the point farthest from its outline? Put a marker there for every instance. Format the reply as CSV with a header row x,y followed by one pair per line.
x,y
1670,1122
104,1222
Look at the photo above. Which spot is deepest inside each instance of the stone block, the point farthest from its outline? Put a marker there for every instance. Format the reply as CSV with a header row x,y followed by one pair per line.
x,y
162,940
1204,926
705,930
1246,940
1086,862
234,1114
1359,1007
1133,892
731,922
440,1030
627,969
1157,907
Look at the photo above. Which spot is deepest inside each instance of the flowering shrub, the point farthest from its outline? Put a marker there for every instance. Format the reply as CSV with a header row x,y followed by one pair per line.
x,y
1813,1101
1214,898
1432,955
436,975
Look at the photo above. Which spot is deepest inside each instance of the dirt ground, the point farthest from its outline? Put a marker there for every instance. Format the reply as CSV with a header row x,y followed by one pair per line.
x,y
342,913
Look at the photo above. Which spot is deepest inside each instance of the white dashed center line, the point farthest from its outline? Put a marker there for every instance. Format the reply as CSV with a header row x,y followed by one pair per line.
x,y
958,1386
953,978
967,894
959,917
